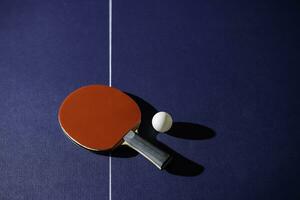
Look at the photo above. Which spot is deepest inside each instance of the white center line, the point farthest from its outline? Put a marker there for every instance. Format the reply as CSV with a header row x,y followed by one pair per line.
x,y
110,72
110,39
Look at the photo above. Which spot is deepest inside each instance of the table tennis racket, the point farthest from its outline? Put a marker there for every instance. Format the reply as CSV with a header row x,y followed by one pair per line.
x,y
101,118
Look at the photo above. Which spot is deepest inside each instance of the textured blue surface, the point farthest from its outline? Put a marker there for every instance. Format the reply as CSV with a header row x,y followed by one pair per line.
x,y
226,71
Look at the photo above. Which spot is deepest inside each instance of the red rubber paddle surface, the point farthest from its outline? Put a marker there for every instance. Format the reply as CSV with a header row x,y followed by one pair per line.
x,y
97,117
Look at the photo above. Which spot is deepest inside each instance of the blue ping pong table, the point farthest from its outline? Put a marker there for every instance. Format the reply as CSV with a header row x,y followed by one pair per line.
x,y
227,71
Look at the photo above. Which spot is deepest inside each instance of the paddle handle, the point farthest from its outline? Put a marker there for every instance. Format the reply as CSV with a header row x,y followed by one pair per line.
x,y
158,157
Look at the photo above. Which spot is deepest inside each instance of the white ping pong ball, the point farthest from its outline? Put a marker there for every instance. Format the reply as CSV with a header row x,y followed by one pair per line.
x,y
162,122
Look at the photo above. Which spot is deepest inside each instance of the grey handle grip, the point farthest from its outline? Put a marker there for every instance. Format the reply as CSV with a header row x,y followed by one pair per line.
x,y
148,150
